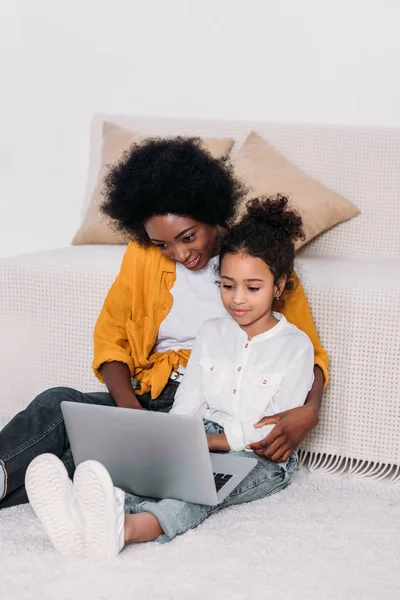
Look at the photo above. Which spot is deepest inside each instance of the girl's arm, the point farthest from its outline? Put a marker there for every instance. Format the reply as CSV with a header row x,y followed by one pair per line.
x,y
189,399
218,442
292,393
293,425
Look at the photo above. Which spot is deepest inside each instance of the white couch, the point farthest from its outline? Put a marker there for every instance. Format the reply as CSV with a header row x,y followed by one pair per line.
x,y
49,301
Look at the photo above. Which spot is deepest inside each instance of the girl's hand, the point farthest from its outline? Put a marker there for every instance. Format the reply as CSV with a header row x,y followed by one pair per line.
x,y
218,443
292,426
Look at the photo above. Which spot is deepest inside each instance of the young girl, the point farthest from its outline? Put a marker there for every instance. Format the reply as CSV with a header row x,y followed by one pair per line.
x,y
244,366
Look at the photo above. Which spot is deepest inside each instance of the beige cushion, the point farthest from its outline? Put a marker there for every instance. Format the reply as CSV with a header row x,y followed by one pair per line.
x,y
95,228
267,172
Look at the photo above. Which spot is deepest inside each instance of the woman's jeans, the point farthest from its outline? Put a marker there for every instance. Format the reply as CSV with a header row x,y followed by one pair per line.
x,y
40,428
176,516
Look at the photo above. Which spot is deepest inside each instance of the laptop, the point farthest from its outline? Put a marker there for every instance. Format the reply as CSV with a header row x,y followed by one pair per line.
x,y
153,454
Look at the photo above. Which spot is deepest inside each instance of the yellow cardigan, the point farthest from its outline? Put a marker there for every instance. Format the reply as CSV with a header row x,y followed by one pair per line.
x,y
138,302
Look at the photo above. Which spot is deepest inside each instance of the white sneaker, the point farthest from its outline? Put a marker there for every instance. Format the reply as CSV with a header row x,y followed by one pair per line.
x,y
101,507
50,492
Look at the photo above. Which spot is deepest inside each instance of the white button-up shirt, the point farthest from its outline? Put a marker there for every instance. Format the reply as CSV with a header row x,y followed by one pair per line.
x,y
235,382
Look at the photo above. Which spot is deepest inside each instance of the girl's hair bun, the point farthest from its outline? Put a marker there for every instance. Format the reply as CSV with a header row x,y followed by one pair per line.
x,y
273,214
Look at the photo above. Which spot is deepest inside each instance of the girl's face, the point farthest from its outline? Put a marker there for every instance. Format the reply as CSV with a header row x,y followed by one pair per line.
x,y
248,291
183,239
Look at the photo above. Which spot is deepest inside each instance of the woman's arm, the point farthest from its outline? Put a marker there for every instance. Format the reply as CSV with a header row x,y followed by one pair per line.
x,y
292,393
292,425
117,378
295,424
297,311
110,337
314,398
113,363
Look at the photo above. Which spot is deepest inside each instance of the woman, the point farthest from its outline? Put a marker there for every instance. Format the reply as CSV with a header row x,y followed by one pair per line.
x,y
176,201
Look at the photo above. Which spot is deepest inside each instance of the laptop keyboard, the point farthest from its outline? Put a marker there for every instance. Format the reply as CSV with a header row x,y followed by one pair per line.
x,y
221,479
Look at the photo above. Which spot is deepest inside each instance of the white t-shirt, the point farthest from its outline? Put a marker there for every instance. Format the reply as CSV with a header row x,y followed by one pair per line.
x,y
235,382
196,298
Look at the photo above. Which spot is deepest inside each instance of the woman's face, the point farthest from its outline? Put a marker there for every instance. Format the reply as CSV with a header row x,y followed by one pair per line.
x,y
183,239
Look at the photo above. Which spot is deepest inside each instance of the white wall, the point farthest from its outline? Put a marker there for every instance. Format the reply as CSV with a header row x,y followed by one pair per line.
x,y
334,61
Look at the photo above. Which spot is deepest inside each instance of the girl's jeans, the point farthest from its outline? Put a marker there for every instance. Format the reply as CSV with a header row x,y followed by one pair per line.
x,y
40,428
177,516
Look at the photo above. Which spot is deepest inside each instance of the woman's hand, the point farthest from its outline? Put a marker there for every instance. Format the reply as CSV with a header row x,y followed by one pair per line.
x,y
292,426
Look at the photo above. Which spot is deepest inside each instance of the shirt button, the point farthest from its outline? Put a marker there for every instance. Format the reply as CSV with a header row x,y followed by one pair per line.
x,y
265,381
239,368
212,369
246,345
234,392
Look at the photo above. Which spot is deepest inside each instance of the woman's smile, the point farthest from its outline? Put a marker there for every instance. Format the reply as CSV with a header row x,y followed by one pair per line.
x,y
193,263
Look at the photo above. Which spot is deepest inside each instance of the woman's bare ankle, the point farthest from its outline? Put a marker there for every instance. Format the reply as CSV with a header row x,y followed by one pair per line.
x,y
141,527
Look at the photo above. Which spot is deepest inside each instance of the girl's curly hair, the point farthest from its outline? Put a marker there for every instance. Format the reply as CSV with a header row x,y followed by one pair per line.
x,y
169,176
268,231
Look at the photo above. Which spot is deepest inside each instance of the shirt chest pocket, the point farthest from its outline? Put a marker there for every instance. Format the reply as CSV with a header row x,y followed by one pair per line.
x,y
263,386
215,373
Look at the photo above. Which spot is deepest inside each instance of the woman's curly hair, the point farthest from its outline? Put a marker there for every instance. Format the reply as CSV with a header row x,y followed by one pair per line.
x,y
268,231
169,176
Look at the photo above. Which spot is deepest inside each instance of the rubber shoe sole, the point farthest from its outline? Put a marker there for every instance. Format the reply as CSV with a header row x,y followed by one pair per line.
x,y
50,492
101,507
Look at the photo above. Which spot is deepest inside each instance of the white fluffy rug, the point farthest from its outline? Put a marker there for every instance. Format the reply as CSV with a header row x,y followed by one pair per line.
x,y
322,538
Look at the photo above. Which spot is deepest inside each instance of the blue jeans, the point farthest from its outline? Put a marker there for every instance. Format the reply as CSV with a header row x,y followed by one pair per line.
x,y
40,428
176,516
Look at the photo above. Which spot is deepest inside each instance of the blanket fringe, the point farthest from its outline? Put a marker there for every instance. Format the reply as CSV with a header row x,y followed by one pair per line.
x,y
333,464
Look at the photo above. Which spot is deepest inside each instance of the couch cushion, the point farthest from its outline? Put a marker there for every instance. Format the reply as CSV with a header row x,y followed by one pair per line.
x,y
368,275
267,172
95,228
